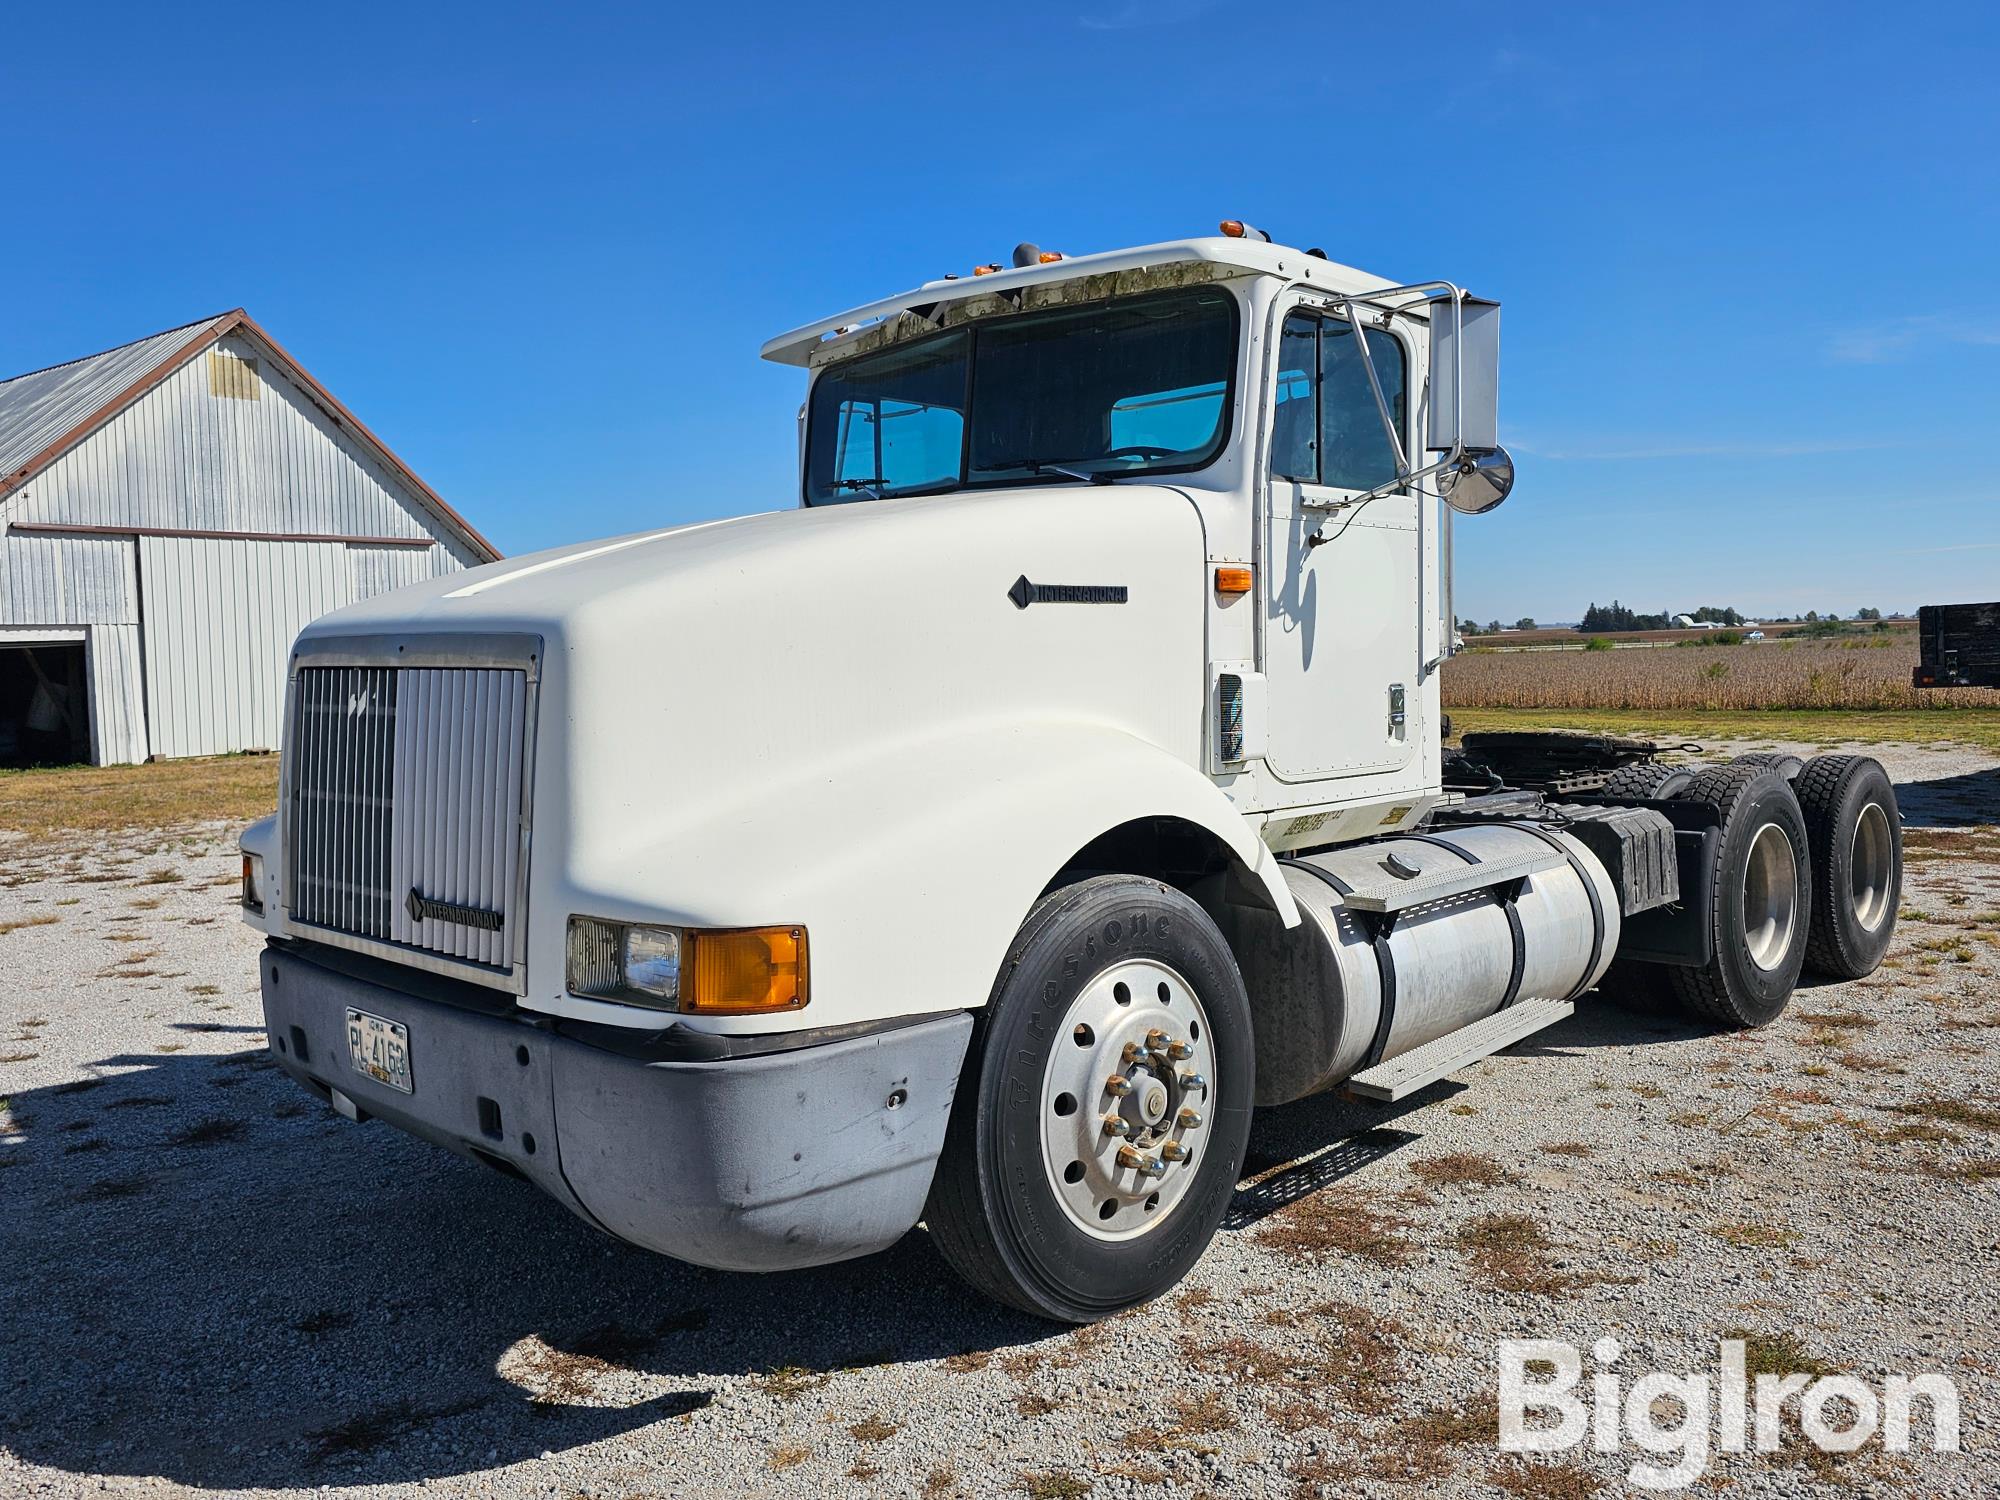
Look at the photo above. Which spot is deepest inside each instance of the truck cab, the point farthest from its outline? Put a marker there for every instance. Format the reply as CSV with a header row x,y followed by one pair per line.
x,y
978,837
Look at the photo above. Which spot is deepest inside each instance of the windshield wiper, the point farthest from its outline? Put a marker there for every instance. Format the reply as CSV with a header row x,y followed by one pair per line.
x,y
869,487
1038,467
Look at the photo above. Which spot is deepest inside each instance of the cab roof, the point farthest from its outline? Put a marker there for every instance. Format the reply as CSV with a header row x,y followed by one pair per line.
x,y
1235,256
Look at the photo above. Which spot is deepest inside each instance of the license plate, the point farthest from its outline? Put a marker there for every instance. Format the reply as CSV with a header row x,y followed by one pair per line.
x,y
381,1049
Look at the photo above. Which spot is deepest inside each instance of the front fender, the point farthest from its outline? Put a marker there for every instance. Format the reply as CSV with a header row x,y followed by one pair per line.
x,y
911,871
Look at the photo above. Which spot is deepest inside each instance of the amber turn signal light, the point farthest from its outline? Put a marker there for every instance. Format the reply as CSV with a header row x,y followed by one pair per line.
x,y
744,970
1232,580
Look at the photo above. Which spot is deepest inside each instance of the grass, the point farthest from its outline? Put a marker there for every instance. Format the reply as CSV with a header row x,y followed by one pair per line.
x,y
1510,1253
383,1425
1979,728
43,920
1461,1169
1337,1221
1777,1354
1052,1485
166,794
210,1132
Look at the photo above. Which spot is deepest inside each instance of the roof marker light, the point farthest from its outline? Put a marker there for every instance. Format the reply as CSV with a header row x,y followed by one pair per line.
x,y
986,270
1236,229
1050,257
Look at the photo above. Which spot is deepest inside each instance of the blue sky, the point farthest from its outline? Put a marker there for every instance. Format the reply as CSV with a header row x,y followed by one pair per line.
x,y
1747,251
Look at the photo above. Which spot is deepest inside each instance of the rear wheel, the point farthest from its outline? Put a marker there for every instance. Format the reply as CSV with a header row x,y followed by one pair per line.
x,y
1647,780
1096,1141
1762,894
1856,836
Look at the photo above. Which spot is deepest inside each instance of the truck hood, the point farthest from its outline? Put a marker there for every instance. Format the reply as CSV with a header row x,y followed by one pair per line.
x,y
730,660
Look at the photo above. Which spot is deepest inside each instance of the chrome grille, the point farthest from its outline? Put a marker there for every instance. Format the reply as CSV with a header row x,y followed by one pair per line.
x,y
406,790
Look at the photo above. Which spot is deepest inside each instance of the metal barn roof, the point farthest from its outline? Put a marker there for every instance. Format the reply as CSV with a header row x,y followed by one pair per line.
x,y
45,413
38,409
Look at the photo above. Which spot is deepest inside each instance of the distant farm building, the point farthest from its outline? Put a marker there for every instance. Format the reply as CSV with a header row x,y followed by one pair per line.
x,y
172,511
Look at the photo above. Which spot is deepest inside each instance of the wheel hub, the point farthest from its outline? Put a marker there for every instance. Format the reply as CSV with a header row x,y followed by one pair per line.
x,y
1124,1097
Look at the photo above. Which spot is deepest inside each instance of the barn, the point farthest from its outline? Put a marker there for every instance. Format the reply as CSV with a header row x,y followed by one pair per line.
x,y
172,511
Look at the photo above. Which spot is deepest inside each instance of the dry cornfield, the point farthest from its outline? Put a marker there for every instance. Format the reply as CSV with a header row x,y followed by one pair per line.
x,y
1853,672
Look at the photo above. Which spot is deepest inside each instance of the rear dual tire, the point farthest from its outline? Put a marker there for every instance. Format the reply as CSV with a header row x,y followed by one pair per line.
x,y
1856,834
1761,895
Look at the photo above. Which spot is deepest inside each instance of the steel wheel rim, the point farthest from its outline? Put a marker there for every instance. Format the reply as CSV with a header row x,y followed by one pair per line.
x,y
1770,897
1871,866
1156,1038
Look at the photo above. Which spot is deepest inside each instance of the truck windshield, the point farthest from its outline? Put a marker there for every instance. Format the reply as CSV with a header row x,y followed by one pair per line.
x,y
1139,385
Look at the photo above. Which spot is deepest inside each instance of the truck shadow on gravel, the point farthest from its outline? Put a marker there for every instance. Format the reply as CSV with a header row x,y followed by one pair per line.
x,y
212,1278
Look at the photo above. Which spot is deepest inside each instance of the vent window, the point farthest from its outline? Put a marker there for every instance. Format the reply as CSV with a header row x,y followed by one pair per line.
x,y
233,377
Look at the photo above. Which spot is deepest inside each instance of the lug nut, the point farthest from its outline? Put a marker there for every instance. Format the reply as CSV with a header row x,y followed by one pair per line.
x,y
1138,1161
1179,1051
1173,1151
1118,1085
1193,1081
1188,1119
1132,1052
1115,1125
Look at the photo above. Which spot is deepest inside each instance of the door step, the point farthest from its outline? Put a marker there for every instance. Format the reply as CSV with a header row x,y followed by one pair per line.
x,y
1399,1077
1388,892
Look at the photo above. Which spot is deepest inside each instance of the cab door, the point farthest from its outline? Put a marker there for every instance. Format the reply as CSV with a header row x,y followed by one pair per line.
x,y
1341,613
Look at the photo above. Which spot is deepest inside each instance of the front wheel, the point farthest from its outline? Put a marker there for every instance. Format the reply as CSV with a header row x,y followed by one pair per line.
x,y
1096,1141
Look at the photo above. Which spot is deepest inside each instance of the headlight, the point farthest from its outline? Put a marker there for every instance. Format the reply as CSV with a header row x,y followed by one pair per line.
x,y
253,883
734,971
620,961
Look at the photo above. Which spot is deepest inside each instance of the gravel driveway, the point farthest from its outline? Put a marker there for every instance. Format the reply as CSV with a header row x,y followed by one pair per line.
x,y
214,1284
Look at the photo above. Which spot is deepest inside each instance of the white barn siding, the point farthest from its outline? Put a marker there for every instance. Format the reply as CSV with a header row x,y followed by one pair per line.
x,y
68,580
181,457
234,607
117,695
187,637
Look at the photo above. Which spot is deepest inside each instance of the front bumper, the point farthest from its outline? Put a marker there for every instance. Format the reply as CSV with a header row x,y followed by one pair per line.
x,y
762,1162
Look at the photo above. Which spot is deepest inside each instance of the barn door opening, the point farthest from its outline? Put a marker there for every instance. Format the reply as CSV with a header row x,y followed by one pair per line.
x,y
44,708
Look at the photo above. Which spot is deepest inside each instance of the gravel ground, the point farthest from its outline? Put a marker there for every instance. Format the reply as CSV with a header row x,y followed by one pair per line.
x,y
214,1284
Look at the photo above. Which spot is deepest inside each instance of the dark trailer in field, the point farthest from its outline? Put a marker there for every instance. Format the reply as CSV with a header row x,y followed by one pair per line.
x,y
1958,645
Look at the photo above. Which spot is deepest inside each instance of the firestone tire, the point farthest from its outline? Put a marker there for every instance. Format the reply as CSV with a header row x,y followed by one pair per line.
x,y
1762,897
1002,1211
1856,834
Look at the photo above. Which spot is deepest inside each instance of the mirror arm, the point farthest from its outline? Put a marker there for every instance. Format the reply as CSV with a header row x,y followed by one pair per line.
x,y
1375,385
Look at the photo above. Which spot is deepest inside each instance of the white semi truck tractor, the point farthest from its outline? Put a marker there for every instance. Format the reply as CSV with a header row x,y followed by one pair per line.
x,y
980,839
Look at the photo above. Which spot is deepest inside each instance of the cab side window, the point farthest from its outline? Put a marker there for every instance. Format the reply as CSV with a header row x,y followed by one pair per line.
x,y
1325,428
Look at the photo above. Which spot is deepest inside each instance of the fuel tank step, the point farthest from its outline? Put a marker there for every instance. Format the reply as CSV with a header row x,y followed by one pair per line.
x,y
1394,891
1399,1077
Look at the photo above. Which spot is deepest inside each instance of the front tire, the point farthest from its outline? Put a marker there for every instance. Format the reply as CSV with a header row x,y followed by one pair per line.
x,y
1119,1002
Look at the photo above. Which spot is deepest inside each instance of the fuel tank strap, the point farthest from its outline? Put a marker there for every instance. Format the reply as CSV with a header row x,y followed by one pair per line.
x,y
1589,889
1378,927
1507,893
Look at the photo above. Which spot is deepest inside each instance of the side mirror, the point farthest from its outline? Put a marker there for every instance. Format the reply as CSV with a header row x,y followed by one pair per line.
x,y
1465,377
1477,482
